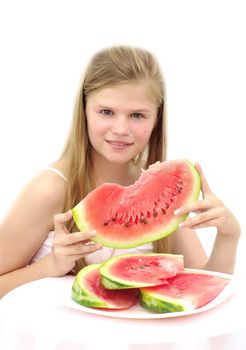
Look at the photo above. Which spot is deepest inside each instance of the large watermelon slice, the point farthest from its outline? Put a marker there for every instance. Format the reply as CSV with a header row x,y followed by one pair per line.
x,y
184,292
126,217
139,270
88,291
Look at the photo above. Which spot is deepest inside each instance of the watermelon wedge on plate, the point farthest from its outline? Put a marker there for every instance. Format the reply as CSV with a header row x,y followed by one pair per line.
x,y
87,290
140,270
186,291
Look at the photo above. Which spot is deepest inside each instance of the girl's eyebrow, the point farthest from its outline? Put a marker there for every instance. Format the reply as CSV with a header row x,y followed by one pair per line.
x,y
131,110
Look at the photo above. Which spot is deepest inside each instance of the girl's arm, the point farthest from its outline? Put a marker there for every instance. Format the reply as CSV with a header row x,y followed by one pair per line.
x,y
25,228
18,277
211,212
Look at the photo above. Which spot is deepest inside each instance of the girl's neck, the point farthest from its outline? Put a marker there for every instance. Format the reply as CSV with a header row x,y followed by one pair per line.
x,y
106,172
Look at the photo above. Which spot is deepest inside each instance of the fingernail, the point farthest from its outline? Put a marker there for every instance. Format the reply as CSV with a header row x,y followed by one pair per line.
x,y
93,232
177,211
182,224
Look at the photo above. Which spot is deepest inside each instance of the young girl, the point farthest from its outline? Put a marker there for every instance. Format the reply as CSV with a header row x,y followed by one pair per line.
x,y
119,116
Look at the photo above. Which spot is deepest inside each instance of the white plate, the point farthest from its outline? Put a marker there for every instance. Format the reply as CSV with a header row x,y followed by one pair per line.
x,y
138,312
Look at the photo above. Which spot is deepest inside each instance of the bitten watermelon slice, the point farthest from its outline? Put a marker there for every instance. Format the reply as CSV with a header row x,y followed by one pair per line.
x,y
88,291
126,217
139,270
184,292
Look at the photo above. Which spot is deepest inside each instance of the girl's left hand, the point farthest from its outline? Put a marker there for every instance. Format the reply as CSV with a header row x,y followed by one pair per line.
x,y
211,212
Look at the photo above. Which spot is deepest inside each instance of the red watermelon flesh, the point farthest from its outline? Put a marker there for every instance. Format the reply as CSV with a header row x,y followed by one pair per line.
x,y
184,292
126,217
87,290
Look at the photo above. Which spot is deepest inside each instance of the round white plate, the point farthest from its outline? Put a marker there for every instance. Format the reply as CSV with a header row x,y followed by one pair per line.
x,y
138,312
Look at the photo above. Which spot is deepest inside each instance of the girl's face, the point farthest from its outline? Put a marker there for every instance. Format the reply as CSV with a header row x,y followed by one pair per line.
x,y
120,121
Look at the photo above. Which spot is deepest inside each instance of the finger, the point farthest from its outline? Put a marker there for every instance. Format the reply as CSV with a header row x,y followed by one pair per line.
x,y
205,217
211,223
193,207
204,183
76,237
61,219
77,249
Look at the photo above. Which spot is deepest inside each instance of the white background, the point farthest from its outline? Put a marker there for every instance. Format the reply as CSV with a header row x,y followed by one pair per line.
x,y
199,44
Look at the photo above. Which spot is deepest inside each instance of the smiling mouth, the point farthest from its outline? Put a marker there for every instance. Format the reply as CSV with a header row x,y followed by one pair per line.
x,y
119,143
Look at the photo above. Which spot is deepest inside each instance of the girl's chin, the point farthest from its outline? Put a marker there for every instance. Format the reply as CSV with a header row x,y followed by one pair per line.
x,y
115,158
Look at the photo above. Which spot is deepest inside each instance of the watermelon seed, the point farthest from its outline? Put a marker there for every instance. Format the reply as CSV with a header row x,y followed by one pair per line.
x,y
128,224
113,219
167,205
145,221
155,214
144,265
142,219
106,223
163,211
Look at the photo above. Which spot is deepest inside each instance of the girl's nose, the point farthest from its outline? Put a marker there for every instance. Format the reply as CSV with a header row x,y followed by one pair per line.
x,y
121,127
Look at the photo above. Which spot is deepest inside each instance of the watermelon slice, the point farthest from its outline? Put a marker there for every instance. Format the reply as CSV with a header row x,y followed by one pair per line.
x,y
88,291
126,217
139,270
184,292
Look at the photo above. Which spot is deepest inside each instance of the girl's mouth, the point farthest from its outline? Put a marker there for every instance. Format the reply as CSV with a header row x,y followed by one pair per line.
x,y
119,144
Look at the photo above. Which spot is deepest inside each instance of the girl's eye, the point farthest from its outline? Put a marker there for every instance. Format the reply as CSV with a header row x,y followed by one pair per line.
x,y
137,115
106,112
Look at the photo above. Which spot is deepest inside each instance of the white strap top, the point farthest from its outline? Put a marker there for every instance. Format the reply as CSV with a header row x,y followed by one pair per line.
x,y
94,258
58,172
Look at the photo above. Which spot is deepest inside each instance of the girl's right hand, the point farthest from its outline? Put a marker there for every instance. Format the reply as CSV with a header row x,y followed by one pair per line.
x,y
69,247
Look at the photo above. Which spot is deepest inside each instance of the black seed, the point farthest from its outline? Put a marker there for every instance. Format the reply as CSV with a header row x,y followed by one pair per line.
x,y
171,200
167,205
163,211
106,223
142,219
145,221
128,224
155,214
113,219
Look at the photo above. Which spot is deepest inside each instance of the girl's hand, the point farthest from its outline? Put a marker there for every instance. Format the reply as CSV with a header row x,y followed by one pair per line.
x,y
211,212
69,247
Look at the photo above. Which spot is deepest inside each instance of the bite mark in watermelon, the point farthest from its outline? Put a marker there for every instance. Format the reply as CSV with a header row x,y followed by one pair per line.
x,y
140,270
184,292
87,290
126,217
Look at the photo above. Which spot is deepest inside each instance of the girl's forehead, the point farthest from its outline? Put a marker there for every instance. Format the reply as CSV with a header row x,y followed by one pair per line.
x,y
128,92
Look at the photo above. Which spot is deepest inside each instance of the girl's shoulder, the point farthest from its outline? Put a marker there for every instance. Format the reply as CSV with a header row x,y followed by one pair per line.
x,y
48,188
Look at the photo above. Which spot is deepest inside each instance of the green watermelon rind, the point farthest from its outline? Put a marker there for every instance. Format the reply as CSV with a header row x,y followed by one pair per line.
x,y
83,225
81,295
163,305
113,282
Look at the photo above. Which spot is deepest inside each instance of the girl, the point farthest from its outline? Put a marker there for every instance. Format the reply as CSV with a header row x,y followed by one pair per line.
x,y
119,116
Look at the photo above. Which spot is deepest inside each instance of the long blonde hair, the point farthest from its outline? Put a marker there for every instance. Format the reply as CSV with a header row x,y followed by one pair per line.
x,y
110,67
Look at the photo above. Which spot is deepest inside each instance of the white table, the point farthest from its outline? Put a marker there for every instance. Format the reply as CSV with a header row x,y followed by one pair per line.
x,y
34,316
